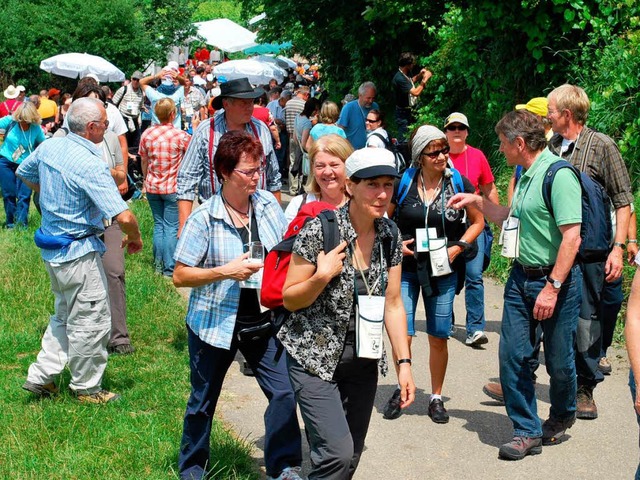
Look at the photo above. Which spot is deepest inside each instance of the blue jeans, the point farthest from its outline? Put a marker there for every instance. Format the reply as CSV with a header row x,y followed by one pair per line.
x,y
165,230
632,387
610,305
474,288
517,343
439,308
15,194
209,365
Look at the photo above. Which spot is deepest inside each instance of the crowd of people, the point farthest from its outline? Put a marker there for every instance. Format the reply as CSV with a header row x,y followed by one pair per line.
x,y
232,148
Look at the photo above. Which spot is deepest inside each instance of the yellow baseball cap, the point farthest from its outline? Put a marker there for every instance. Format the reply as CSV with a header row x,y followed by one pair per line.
x,y
537,106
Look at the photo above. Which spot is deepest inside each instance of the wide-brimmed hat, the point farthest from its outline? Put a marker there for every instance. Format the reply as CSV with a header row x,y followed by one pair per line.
x,y
371,162
12,92
238,88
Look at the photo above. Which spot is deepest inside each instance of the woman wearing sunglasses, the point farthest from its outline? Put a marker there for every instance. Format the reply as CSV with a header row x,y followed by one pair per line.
x,y
434,239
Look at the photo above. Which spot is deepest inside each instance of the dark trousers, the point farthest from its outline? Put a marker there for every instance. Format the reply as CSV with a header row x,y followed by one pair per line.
x,y
610,304
589,335
209,365
133,138
336,414
404,118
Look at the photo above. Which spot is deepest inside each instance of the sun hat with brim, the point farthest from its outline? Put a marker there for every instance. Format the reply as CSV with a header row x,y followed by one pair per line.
x,y
371,162
238,88
537,106
11,92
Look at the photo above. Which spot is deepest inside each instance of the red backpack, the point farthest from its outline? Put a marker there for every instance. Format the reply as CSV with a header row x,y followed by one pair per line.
x,y
276,263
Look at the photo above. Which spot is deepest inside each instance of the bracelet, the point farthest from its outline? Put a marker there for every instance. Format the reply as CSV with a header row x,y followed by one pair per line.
x,y
403,360
619,244
632,241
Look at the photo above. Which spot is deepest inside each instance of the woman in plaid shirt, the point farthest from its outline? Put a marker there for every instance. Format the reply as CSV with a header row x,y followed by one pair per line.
x,y
161,150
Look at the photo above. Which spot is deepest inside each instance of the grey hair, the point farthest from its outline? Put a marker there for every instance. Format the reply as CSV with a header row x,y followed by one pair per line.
x,y
83,111
524,124
366,86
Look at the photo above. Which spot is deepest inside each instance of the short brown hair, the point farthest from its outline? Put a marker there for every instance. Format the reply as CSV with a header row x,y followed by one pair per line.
x,y
231,147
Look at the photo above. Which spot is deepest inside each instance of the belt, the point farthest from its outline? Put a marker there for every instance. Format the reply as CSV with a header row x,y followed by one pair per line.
x,y
535,272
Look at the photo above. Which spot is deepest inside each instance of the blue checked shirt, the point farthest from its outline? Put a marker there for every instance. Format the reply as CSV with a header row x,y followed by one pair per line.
x,y
209,239
195,167
76,192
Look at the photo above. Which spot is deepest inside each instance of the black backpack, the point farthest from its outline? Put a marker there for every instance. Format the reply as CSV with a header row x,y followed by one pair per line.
x,y
401,165
596,230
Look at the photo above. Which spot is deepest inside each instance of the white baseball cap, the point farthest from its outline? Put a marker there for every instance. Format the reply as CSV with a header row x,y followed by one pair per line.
x,y
371,162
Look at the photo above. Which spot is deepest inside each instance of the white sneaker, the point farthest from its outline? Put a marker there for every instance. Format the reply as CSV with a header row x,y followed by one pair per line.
x,y
476,339
289,473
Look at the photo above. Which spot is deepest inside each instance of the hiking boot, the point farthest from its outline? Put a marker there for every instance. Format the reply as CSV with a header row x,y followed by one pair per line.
x,y
437,412
494,391
604,365
476,339
103,396
553,430
123,349
289,473
520,447
392,409
44,391
586,408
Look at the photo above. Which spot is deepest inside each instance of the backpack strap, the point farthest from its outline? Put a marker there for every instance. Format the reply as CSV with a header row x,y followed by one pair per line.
x,y
549,176
405,184
384,140
330,231
456,181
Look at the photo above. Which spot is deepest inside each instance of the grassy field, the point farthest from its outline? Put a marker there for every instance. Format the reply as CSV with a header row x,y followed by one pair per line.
x,y
136,438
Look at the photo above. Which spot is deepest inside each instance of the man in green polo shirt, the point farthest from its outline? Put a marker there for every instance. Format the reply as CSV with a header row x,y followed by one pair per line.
x,y
544,286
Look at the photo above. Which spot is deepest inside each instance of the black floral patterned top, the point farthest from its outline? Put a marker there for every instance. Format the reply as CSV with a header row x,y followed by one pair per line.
x,y
315,335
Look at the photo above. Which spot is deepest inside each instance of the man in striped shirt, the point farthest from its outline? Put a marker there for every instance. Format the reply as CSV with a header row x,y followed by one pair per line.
x,y
76,193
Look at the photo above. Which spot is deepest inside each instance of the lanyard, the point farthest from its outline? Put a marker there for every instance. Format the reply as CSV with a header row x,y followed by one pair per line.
x,y
519,198
427,203
27,139
364,279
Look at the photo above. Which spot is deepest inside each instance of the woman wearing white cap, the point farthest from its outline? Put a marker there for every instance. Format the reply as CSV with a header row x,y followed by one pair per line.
x,y
338,299
435,237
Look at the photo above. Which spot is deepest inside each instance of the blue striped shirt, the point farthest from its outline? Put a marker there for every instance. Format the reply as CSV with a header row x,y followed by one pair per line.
x,y
209,239
195,168
76,192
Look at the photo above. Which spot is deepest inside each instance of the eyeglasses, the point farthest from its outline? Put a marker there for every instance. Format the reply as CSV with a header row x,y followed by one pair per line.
x,y
250,173
105,123
453,128
370,120
436,154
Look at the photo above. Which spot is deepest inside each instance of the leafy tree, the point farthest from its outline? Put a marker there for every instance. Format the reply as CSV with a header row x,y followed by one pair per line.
x,y
127,33
212,9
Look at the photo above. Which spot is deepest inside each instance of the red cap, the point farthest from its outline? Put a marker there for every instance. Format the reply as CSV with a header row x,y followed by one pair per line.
x,y
53,92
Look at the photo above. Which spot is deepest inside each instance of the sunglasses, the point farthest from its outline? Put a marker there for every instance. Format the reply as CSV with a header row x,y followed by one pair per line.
x,y
453,128
371,120
436,154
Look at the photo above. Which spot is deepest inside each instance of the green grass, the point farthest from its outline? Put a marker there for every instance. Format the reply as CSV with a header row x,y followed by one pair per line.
x,y
136,438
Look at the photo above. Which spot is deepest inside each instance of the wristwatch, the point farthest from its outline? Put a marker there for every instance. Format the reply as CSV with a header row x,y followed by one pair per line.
x,y
557,284
619,244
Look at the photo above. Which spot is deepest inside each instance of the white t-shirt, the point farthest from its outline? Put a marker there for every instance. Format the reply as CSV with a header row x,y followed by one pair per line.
x,y
294,205
374,140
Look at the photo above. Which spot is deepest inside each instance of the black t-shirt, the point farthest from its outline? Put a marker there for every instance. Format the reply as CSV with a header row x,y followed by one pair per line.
x,y
410,215
249,304
401,87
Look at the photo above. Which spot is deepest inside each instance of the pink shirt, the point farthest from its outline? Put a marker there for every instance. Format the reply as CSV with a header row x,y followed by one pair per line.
x,y
163,147
474,165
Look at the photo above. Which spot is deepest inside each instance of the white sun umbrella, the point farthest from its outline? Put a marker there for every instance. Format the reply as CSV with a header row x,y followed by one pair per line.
x,y
290,63
226,35
79,65
274,62
257,73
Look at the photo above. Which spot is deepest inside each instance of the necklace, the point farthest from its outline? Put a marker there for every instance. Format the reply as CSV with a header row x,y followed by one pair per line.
x,y
226,202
